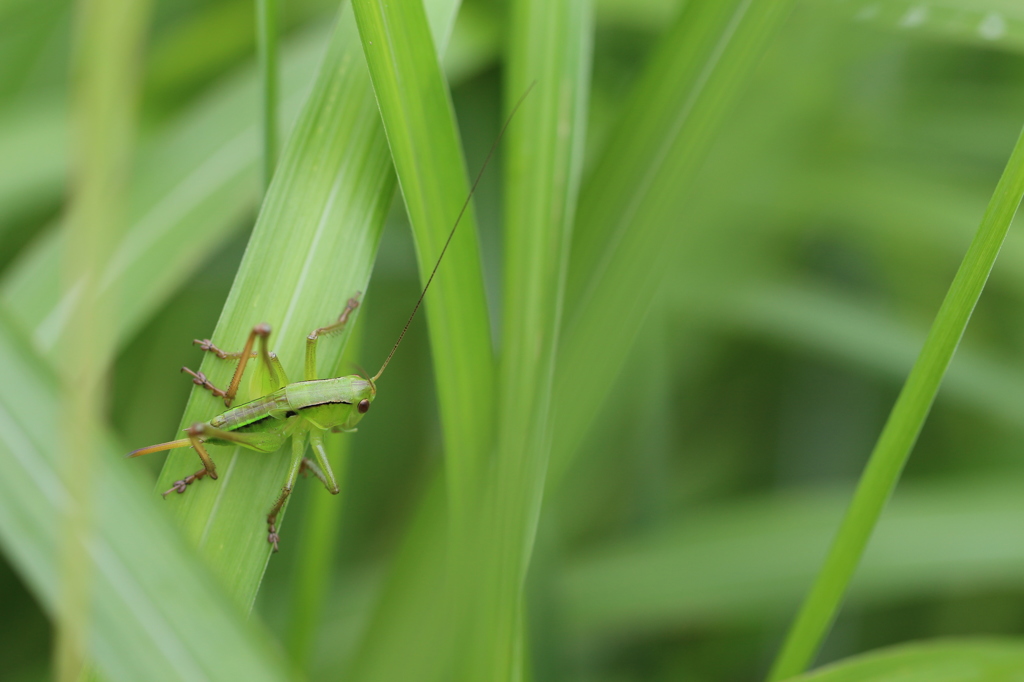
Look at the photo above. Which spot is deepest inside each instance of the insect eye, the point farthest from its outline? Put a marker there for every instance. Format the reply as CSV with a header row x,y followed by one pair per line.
x,y
363,406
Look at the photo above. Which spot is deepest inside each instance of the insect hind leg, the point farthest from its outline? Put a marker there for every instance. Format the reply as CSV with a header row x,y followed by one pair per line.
x,y
265,441
194,432
200,432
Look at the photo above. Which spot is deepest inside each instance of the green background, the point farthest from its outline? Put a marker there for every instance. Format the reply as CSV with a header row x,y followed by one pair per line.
x,y
799,183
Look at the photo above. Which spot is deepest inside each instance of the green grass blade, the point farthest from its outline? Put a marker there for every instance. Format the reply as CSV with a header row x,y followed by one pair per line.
x,y
550,45
630,207
946,660
157,613
312,248
903,426
417,114
195,184
266,46
410,616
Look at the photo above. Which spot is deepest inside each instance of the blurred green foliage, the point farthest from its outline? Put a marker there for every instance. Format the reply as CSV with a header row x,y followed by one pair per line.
x,y
806,260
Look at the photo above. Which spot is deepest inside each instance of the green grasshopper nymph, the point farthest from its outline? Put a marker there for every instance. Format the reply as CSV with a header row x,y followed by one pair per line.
x,y
303,410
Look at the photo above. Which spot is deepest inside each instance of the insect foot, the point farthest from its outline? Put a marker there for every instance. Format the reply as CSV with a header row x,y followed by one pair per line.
x,y
272,536
199,379
208,345
180,486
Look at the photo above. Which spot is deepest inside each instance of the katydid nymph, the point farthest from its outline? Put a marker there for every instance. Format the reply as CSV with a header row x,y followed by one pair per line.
x,y
303,410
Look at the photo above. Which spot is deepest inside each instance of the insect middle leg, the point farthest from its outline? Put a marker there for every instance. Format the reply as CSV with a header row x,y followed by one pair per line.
x,y
270,361
298,450
314,335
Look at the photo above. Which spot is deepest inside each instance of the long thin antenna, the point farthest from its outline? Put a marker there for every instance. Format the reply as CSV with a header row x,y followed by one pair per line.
x,y
451,234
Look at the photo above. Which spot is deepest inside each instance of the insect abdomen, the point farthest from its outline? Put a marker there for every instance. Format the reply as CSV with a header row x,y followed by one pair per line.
x,y
251,412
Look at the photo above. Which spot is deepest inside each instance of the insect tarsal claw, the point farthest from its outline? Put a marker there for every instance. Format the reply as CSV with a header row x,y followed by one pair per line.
x,y
272,537
178,487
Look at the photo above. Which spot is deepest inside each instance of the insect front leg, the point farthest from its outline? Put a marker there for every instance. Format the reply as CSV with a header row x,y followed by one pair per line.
x,y
311,340
298,450
270,361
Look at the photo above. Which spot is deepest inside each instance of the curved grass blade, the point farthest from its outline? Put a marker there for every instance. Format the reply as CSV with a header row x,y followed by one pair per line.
x,y
904,424
411,614
312,248
157,613
420,124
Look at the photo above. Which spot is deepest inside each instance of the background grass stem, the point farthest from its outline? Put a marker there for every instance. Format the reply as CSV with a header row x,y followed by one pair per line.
x,y
266,45
549,51
109,36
